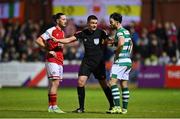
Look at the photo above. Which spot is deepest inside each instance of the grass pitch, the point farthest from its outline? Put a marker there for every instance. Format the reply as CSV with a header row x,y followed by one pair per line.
x,y
32,103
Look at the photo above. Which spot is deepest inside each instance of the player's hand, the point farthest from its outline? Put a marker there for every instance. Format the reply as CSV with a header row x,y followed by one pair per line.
x,y
111,41
110,38
76,34
60,45
54,39
53,53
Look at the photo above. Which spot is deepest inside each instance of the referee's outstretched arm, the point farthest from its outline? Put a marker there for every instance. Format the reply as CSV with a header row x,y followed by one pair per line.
x,y
65,40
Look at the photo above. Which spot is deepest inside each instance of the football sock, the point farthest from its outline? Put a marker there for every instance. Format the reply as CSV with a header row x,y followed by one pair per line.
x,y
52,99
108,94
116,95
81,96
125,97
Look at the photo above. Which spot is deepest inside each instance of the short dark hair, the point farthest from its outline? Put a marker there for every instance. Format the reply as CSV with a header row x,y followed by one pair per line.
x,y
116,16
91,17
57,16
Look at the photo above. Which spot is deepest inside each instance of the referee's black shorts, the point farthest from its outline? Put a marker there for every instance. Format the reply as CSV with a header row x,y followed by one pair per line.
x,y
98,71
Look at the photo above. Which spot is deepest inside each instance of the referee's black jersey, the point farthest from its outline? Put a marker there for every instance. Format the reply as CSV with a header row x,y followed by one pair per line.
x,y
93,44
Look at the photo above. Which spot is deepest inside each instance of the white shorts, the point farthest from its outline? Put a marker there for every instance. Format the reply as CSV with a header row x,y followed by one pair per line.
x,y
54,71
120,72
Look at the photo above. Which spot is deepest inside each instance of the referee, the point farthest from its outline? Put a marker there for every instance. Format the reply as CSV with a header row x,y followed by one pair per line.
x,y
94,41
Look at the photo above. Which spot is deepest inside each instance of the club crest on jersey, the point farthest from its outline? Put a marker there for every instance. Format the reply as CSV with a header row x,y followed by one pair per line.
x,y
96,41
53,72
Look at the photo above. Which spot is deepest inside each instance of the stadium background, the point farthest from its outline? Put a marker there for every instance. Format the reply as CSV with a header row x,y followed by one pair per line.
x,y
154,26
156,55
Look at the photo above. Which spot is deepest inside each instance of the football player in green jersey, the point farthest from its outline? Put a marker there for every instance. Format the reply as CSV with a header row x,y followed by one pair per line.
x,y
122,64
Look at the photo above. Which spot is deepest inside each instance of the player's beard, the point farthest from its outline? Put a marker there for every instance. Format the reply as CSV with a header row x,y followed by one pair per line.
x,y
63,25
112,27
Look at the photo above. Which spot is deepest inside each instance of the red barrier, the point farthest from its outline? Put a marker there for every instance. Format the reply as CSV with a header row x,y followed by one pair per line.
x,y
172,77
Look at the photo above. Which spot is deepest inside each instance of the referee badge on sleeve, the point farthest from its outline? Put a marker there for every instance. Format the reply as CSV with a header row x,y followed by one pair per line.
x,y
96,41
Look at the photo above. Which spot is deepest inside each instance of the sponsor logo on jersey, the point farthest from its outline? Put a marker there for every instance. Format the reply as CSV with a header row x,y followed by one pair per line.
x,y
119,34
126,32
96,41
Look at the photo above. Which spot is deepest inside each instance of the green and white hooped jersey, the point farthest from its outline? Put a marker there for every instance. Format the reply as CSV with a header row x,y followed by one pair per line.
x,y
124,55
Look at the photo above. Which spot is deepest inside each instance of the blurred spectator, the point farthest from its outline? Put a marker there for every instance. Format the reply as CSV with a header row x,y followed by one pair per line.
x,y
70,28
143,43
23,57
81,25
164,59
5,57
71,55
80,52
2,30
152,26
171,31
155,47
161,33
171,49
157,44
173,61
135,35
102,25
152,60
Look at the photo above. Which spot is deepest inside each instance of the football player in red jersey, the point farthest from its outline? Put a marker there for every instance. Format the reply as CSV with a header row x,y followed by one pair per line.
x,y
54,58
